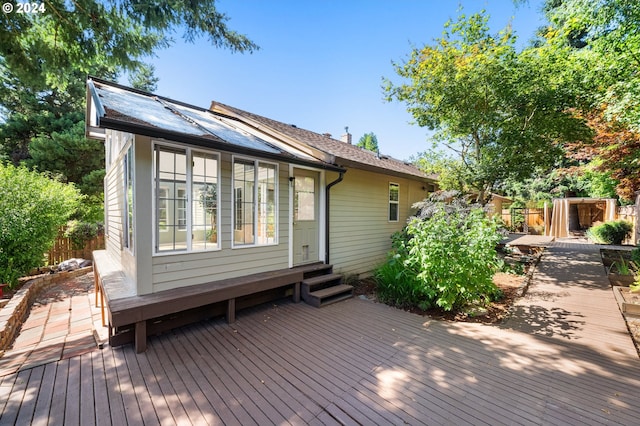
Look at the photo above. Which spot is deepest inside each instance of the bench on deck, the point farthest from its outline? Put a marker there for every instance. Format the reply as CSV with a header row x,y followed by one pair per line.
x,y
125,308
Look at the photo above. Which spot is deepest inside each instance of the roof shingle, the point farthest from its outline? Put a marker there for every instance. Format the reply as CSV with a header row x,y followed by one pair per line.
x,y
346,154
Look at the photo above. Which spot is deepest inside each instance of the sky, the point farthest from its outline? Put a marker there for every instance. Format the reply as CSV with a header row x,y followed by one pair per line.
x,y
321,63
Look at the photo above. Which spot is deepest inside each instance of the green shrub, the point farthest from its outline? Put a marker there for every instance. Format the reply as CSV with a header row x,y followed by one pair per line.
x,y
610,232
446,257
32,209
396,285
81,232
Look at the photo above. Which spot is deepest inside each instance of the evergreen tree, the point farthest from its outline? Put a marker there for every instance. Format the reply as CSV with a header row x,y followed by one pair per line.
x,y
46,56
369,141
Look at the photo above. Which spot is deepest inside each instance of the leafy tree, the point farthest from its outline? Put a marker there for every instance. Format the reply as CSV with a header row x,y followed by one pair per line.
x,y
614,152
505,113
369,141
32,209
580,180
46,56
91,35
606,36
451,172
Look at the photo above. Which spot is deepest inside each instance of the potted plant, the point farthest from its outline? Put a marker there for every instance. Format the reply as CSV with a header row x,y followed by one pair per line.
x,y
621,273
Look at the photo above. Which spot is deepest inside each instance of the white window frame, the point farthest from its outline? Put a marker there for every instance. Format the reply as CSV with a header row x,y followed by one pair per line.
x,y
189,151
256,164
128,211
393,202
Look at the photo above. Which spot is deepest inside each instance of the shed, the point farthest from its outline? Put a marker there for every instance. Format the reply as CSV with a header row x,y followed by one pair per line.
x,y
576,215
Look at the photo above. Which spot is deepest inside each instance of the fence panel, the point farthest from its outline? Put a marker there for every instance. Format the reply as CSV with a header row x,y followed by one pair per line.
x,y
526,220
63,249
629,213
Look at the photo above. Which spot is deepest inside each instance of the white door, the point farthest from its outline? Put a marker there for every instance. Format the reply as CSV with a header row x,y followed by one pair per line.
x,y
305,217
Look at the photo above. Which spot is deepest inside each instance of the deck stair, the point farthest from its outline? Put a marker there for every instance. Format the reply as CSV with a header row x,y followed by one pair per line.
x,y
321,286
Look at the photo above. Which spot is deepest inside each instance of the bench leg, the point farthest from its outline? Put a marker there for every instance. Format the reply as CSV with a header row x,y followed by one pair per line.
x,y
231,311
141,336
96,284
296,292
102,308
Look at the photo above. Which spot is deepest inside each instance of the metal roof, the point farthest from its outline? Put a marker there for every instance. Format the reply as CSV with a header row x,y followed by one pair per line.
x,y
121,108
223,127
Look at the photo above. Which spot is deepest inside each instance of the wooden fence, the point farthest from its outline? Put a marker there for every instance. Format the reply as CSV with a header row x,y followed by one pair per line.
x,y
63,249
534,223
526,220
629,213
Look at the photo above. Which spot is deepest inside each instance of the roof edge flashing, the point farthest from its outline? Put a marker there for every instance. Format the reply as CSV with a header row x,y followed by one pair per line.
x,y
217,108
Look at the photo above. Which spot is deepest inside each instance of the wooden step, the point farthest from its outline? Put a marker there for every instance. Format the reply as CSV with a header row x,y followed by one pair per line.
x,y
329,295
315,269
321,280
309,285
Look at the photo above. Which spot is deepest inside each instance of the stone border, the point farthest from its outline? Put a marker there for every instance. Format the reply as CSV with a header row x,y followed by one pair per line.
x,y
522,289
16,311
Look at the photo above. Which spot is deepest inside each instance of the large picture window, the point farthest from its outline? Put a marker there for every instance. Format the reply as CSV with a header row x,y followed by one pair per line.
x,y
186,199
255,207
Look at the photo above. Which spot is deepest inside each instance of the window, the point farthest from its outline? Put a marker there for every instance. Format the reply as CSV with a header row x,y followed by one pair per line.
x,y
394,194
182,209
127,228
163,195
255,195
304,198
204,201
186,199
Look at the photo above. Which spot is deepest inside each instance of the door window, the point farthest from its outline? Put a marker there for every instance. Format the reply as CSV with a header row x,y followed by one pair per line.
x,y
305,198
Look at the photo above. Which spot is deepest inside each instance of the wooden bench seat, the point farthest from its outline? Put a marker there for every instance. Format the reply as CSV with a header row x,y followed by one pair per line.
x,y
137,310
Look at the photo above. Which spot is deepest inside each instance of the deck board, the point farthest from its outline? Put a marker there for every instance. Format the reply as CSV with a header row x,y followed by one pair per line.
x,y
245,395
216,378
72,397
58,399
45,396
164,376
295,407
31,396
87,400
270,350
356,362
126,374
113,392
141,390
268,404
14,402
100,392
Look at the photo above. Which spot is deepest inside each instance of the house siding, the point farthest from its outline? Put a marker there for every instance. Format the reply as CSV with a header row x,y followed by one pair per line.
x,y
360,230
178,270
117,144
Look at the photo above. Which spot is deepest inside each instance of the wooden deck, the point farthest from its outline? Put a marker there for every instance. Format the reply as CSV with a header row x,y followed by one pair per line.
x,y
355,362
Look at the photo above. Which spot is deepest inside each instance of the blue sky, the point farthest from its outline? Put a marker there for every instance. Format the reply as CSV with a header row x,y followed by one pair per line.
x,y
321,63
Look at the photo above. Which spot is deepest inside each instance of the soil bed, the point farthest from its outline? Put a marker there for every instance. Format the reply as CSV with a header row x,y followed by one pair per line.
x,y
509,284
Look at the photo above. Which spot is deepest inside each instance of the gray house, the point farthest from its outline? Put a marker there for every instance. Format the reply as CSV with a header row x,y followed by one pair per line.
x,y
198,196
